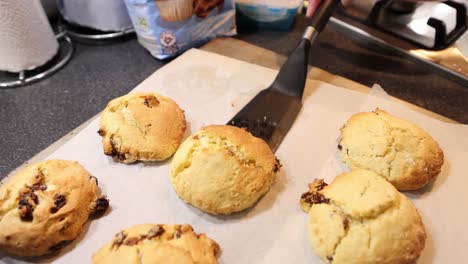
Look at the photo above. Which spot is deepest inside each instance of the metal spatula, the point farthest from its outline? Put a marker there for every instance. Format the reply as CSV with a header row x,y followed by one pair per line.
x,y
271,113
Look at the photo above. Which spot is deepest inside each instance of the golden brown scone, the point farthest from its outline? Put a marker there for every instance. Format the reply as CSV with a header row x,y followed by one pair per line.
x,y
44,207
223,169
394,148
152,243
361,218
142,126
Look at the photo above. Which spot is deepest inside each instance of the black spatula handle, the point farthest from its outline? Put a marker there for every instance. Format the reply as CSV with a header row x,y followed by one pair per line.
x,y
323,14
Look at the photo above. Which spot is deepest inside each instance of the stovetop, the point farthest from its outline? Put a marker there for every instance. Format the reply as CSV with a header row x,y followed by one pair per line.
x,y
432,33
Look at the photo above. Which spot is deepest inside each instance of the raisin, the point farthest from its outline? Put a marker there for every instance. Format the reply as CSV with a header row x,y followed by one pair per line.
x,y
346,223
26,205
177,232
330,258
120,156
147,103
59,201
119,239
340,147
151,101
26,212
60,245
113,150
100,206
314,198
319,184
101,132
155,231
277,166
95,179
115,153
132,241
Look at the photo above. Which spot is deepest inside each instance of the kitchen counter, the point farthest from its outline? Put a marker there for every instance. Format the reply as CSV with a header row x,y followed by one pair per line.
x,y
35,116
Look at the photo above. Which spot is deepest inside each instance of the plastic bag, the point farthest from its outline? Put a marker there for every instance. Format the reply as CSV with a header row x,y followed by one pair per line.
x,y
167,28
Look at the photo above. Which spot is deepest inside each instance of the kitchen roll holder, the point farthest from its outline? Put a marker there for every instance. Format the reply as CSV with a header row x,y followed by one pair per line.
x,y
85,33
94,19
63,56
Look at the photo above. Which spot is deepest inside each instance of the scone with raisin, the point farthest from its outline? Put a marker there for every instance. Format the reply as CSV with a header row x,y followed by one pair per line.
x,y
44,207
361,218
394,148
142,126
152,243
223,169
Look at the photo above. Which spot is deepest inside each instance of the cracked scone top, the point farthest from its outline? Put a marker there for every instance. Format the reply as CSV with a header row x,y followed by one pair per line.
x,y
223,169
142,126
361,218
392,147
153,243
45,205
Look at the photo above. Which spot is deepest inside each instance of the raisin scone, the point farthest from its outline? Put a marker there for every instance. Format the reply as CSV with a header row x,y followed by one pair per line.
x,y
153,243
141,127
223,169
44,206
394,148
361,218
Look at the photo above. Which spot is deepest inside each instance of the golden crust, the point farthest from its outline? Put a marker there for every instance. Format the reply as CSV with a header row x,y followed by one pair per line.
x,y
394,148
363,219
152,243
223,169
142,126
45,205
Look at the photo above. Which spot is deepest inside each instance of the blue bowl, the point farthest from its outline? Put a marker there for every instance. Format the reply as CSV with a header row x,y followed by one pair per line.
x,y
263,16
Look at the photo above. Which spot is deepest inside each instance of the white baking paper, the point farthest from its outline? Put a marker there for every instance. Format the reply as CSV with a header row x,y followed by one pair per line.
x,y
212,88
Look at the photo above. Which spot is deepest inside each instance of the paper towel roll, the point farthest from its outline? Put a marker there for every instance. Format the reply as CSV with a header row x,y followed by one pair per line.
x,y
106,15
26,38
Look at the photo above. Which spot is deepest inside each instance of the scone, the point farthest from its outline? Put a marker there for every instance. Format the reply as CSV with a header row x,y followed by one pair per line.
x,y
394,148
142,126
151,243
223,169
175,10
44,207
361,218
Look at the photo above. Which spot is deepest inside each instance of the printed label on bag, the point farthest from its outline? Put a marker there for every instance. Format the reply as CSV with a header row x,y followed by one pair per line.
x,y
168,42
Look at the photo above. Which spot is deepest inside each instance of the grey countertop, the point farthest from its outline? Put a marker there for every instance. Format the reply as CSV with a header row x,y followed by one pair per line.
x,y
35,116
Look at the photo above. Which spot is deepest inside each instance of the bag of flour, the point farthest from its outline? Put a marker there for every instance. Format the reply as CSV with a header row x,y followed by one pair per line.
x,y
167,28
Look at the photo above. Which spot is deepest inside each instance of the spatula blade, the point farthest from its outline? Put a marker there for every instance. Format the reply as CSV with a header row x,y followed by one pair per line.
x,y
271,113
269,116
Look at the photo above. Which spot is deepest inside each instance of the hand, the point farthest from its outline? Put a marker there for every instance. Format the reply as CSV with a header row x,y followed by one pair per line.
x,y
313,4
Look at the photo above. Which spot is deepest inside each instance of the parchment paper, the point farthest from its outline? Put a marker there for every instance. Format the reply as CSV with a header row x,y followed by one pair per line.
x,y
211,89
